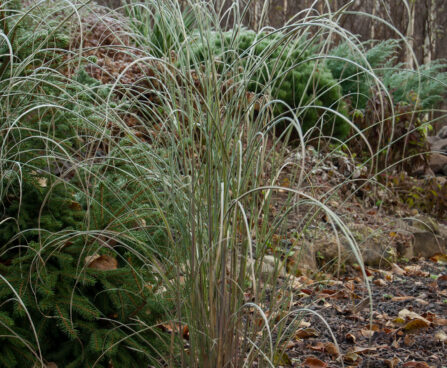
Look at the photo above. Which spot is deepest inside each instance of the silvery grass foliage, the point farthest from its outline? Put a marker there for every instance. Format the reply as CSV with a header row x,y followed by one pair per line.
x,y
193,200
222,149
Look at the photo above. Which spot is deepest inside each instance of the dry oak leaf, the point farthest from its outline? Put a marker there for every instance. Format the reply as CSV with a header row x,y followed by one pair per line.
x,y
392,363
306,333
312,362
416,365
406,314
397,270
416,324
331,349
441,336
101,262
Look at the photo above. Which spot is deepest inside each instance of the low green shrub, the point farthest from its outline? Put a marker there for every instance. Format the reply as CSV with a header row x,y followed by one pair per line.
x,y
428,83
76,240
428,195
288,72
355,82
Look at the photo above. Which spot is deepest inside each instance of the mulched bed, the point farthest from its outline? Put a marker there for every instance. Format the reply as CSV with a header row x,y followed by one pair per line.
x,y
407,328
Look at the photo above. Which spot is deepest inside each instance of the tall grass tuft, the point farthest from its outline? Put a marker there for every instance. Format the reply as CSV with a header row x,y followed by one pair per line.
x,y
170,166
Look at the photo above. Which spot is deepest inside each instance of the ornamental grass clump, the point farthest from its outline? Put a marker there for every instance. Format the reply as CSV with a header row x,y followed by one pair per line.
x,y
139,179
214,115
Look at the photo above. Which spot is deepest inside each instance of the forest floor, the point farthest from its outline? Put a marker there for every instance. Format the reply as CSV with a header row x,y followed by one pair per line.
x,y
406,326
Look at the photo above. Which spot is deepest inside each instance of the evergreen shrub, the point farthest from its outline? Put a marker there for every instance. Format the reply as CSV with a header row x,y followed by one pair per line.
x,y
289,73
75,288
428,83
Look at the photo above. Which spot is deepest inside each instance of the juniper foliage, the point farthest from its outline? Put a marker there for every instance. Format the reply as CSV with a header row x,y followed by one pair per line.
x,y
56,306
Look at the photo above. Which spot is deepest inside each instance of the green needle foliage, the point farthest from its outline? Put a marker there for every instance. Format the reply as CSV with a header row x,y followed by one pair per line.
x,y
75,285
346,67
288,71
425,87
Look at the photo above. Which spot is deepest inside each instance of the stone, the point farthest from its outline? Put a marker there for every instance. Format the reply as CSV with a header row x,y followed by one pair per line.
x,y
270,265
440,146
425,223
302,260
428,236
375,248
438,163
427,244
433,139
442,134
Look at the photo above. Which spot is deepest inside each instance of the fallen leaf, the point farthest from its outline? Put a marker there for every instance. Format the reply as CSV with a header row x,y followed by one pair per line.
x,y
440,321
43,182
331,349
307,291
185,332
304,324
103,262
409,315
380,282
289,345
319,346
441,336
89,259
439,258
306,333
392,363
329,293
367,333
388,275
402,298
416,365
397,270
415,270
421,301
281,359
416,324
312,362
350,338
399,320
360,350
409,340
351,357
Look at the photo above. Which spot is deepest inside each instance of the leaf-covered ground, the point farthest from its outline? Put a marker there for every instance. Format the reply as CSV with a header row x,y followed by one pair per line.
x,y
407,326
